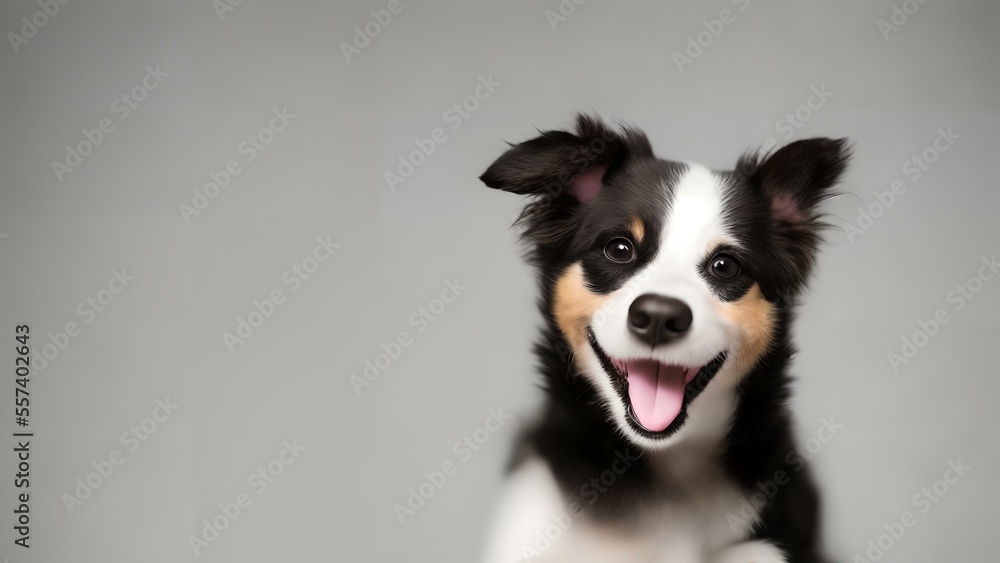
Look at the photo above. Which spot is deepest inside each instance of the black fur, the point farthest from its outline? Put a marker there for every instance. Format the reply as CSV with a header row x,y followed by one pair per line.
x,y
574,434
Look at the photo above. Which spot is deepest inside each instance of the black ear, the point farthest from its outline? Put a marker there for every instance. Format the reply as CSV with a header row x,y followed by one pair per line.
x,y
794,181
560,164
799,176
563,171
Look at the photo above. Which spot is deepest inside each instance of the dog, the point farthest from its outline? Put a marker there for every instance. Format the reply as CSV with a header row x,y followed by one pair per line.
x,y
667,293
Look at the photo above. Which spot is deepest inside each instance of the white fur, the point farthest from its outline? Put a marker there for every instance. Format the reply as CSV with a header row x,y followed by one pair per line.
x,y
530,502
752,552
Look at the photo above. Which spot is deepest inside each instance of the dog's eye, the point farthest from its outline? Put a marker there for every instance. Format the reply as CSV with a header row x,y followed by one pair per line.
x,y
619,250
724,266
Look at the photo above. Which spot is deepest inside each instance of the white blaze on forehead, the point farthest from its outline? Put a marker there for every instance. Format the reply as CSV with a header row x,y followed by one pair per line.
x,y
694,218
692,227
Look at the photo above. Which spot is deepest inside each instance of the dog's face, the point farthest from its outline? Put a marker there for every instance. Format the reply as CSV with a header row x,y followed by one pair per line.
x,y
665,279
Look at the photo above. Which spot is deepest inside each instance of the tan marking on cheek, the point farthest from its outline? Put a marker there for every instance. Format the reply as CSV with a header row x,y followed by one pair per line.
x,y
574,306
755,317
638,229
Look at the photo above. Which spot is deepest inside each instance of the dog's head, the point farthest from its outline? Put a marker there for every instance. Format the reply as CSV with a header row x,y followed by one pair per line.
x,y
664,278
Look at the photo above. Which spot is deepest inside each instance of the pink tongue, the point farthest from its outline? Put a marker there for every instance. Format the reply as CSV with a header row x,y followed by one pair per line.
x,y
656,392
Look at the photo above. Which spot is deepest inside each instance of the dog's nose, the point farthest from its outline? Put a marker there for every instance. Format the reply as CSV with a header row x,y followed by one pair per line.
x,y
658,319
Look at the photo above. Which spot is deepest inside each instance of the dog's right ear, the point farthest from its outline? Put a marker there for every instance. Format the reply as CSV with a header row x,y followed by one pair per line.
x,y
563,171
558,164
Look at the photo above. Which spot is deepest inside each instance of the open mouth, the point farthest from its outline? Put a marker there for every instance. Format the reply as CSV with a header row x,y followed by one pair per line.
x,y
656,395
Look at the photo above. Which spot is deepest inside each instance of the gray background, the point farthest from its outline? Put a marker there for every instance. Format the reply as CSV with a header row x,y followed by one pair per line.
x,y
323,176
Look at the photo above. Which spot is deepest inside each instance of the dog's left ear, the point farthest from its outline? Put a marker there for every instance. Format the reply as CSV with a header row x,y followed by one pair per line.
x,y
794,181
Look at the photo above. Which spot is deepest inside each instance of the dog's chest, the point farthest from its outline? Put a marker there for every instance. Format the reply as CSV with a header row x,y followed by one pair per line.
x,y
688,512
694,508
693,517
697,516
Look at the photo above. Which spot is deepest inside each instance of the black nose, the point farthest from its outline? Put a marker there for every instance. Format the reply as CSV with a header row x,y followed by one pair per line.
x,y
657,319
